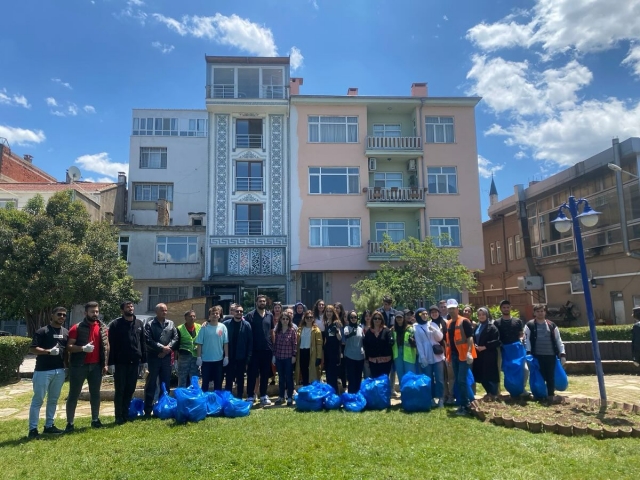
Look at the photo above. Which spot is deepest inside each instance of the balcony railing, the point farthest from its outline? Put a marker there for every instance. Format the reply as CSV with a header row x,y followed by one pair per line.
x,y
273,91
394,143
248,227
221,91
249,184
252,140
395,195
228,90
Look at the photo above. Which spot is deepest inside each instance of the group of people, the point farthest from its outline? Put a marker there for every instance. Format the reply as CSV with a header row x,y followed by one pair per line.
x,y
298,343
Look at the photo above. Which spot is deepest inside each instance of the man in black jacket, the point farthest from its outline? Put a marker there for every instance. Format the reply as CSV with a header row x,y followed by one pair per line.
x,y
128,350
261,322
240,350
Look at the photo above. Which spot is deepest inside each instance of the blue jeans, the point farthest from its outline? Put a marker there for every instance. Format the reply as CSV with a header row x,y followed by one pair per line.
x,y
435,371
460,371
187,368
402,367
285,376
47,383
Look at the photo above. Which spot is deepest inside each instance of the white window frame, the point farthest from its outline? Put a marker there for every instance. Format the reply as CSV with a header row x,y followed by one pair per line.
x,y
7,201
143,126
349,173
190,242
436,126
388,182
152,188
353,226
518,242
386,227
158,154
124,241
165,127
499,251
387,130
510,248
196,127
436,173
492,251
314,122
445,228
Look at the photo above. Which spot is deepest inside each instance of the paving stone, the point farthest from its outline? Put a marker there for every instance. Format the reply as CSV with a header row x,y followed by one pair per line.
x,y
6,412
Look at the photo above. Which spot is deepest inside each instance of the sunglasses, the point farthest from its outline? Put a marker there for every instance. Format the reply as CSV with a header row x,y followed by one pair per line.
x,y
353,316
61,314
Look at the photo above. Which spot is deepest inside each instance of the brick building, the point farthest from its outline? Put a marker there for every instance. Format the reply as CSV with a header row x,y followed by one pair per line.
x,y
14,168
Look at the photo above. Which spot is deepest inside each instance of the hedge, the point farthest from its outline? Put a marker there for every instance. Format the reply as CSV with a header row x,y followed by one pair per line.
x,y
605,332
12,352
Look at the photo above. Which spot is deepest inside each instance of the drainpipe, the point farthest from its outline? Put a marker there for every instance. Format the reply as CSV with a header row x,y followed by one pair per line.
x,y
423,168
621,206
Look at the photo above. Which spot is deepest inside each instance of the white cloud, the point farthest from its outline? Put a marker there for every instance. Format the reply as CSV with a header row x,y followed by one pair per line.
x,y
137,3
499,35
101,164
132,10
60,82
58,113
13,99
296,58
89,109
487,168
234,31
72,109
520,155
633,59
21,136
314,4
445,18
163,47
51,102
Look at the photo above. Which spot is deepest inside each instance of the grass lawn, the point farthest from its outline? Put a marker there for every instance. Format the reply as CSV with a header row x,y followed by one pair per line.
x,y
282,443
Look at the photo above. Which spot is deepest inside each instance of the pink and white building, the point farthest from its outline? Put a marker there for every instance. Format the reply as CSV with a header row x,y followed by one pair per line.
x,y
363,166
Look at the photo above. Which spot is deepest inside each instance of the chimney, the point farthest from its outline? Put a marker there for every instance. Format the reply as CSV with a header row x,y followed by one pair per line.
x,y
352,92
28,158
419,90
162,208
294,85
122,177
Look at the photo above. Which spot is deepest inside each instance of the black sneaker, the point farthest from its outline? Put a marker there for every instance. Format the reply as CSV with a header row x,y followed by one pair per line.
x,y
70,428
96,424
52,430
120,421
33,434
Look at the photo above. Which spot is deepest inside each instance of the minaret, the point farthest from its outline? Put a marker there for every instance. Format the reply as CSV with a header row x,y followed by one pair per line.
x,y
493,192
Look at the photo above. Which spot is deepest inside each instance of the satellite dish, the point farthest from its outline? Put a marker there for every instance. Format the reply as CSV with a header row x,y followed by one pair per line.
x,y
74,173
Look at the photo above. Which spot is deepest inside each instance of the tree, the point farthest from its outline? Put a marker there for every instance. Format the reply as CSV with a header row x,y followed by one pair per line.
x,y
54,255
417,269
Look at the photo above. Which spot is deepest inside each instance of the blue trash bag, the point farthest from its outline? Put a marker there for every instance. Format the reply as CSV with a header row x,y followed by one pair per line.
x,y
560,377
353,402
377,392
415,392
192,403
513,368
536,382
470,381
136,408
332,402
214,405
311,397
166,406
224,397
237,407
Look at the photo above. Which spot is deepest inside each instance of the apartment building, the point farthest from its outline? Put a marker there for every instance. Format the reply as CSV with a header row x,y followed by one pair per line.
x,y
366,166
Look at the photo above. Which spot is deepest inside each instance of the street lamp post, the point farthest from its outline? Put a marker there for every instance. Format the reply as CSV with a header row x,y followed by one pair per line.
x,y
589,218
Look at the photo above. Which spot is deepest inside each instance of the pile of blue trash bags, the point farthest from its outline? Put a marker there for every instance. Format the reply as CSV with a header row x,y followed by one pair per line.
x,y
191,404
536,382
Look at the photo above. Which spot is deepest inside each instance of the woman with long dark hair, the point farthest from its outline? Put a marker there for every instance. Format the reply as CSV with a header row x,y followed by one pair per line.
x,y
404,347
378,346
342,372
365,322
284,356
308,365
332,346
318,314
487,340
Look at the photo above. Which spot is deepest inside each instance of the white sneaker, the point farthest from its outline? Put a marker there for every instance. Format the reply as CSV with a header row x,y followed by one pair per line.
x,y
253,398
265,401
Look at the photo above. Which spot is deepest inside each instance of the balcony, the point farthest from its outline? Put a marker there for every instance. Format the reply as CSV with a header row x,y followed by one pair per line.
x,y
248,227
249,184
244,140
405,197
229,91
395,145
377,252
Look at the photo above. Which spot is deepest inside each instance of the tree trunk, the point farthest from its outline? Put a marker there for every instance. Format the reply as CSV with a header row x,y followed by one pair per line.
x,y
36,319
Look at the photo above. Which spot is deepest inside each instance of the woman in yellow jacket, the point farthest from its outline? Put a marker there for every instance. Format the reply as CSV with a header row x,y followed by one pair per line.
x,y
309,355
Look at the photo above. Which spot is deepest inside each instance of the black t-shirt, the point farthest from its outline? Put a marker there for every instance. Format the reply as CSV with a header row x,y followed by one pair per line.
x,y
234,334
510,330
468,331
47,338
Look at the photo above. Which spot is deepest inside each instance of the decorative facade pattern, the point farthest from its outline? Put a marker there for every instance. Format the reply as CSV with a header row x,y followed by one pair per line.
x,y
256,261
249,155
221,165
248,198
229,241
276,192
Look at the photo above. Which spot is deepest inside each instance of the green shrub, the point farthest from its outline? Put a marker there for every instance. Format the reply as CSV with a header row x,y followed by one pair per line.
x,y
605,332
494,310
12,352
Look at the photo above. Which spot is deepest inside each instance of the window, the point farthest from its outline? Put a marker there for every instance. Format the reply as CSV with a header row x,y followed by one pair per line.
x,y
218,261
492,249
440,130
8,203
249,133
395,230
334,180
152,192
333,129
518,247
445,226
166,126
223,83
334,232
197,128
248,219
387,180
196,221
510,248
197,292
165,295
499,252
153,157
248,83
442,179
177,249
143,126
272,83
123,247
249,176
387,130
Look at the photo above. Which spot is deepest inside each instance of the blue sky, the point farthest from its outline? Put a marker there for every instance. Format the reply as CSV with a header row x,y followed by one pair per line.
x,y
559,78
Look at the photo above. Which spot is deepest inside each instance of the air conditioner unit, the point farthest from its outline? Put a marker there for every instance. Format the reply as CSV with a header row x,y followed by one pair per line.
x,y
530,283
372,164
412,166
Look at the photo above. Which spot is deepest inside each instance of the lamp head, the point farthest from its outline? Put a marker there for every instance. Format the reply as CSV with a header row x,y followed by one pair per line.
x,y
562,223
589,217
614,167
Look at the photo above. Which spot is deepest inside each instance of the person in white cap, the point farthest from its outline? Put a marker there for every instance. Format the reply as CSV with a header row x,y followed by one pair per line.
x,y
461,353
